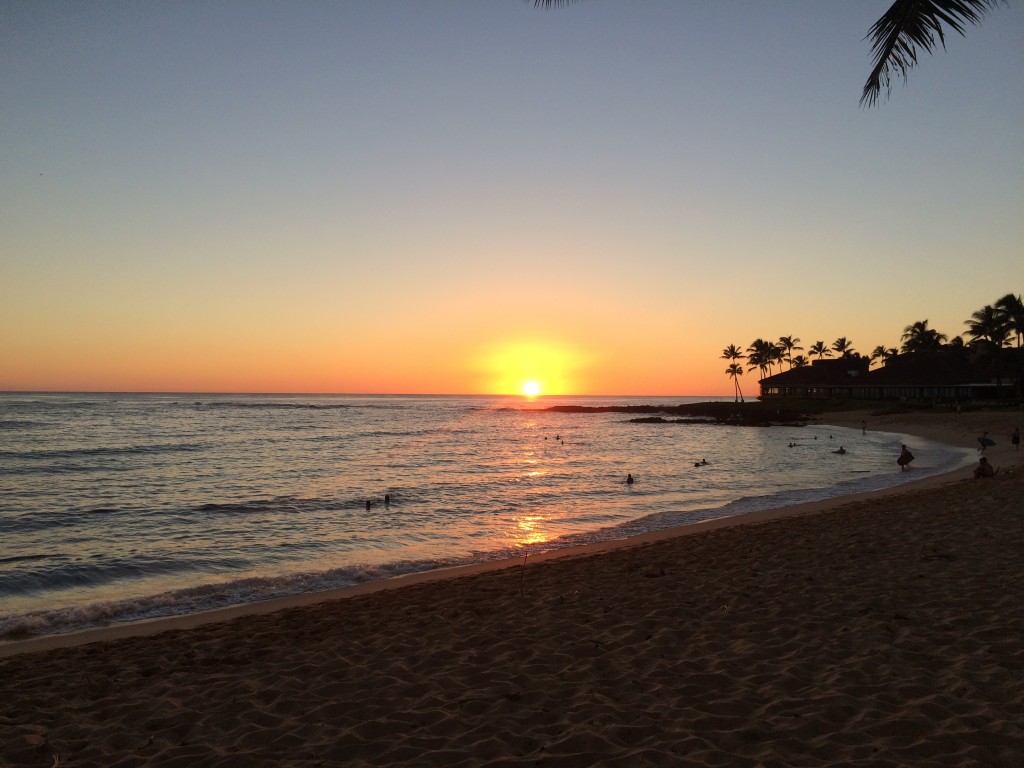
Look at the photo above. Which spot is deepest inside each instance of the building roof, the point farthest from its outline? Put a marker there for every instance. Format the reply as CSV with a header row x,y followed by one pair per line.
x,y
945,367
843,370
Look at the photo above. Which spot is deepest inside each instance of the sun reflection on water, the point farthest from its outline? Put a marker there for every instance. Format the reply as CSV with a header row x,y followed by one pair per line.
x,y
529,530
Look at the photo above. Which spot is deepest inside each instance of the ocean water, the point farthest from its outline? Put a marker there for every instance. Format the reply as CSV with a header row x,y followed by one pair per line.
x,y
119,507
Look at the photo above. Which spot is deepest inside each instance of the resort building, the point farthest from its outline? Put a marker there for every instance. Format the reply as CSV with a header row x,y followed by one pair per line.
x,y
944,376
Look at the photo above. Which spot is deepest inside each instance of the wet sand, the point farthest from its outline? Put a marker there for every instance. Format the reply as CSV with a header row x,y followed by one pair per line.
x,y
884,629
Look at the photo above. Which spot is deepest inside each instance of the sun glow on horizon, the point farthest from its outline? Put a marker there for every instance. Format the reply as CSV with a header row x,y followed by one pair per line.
x,y
530,368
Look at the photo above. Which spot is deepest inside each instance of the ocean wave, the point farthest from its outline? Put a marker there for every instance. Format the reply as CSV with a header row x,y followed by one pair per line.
x,y
215,404
71,518
61,574
298,506
22,559
103,451
348,437
286,406
53,469
19,424
204,598
280,504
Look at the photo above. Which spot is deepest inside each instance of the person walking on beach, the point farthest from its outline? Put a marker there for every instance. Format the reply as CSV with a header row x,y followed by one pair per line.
x,y
1015,438
905,458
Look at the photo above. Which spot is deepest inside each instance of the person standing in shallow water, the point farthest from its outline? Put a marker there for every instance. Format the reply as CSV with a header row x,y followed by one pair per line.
x,y
629,479
984,442
905,458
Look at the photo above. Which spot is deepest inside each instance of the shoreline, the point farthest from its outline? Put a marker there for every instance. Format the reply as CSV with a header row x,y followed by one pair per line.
x,y
884,629
935,427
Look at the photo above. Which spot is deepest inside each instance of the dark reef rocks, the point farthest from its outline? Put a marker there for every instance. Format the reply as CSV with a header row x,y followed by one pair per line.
x,y
723,413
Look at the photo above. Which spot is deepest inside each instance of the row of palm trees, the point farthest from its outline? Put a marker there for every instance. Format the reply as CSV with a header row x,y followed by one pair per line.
x,y
991,328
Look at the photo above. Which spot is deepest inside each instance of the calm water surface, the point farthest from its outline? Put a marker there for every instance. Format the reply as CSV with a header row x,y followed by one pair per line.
x,y
120,507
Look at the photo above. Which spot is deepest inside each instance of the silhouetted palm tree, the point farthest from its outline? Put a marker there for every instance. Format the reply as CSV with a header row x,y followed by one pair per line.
x,y
843,347
800,361
911,23
735,371
732,352
896,36
788,345
918,337
989,325
1012,309
882,352
989,329
820,349
759,355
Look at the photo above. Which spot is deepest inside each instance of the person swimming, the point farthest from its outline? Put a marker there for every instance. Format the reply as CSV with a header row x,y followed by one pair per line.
x,y
629,479
841,450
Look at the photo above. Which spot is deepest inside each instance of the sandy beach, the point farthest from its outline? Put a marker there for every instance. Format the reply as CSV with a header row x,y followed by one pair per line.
x,y
886,629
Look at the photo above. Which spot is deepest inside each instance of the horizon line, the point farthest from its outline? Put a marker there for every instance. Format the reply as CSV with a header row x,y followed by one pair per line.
x,y
318,394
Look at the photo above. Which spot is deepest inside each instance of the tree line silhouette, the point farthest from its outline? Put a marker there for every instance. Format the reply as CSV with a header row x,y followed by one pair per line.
x,y
990,329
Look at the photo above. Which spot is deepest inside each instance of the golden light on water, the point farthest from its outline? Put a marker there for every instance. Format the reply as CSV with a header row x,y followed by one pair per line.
x,y
529,530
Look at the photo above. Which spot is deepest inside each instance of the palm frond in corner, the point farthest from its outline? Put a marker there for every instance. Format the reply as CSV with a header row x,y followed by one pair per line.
x,y
912,24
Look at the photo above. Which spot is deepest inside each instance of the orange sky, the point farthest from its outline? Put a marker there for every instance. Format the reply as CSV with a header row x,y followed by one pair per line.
x,y
456,198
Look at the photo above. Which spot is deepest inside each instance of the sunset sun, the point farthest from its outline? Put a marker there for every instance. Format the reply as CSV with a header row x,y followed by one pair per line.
x,y
531,368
